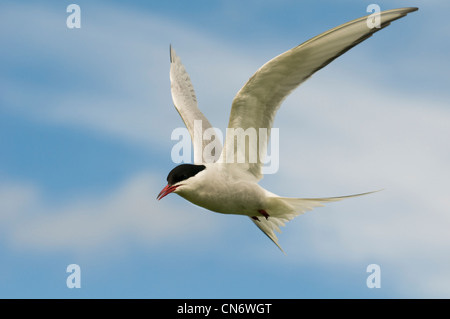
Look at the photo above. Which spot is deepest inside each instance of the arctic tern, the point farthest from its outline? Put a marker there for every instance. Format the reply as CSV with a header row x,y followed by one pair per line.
x,y
229,186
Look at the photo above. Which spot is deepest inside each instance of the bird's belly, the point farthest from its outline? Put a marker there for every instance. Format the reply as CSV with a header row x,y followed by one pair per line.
x,y
241,199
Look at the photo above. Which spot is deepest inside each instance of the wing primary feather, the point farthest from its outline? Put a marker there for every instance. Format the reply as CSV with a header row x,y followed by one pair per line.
x,y
185,102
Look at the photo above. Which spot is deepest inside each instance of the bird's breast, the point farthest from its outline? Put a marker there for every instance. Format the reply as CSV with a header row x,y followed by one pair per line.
x,y
240,197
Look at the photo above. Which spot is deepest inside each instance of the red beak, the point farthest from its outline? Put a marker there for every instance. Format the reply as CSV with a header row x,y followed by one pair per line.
x,y
166,191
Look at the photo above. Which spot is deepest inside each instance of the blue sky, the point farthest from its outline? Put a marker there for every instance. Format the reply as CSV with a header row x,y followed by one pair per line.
x,y
85,123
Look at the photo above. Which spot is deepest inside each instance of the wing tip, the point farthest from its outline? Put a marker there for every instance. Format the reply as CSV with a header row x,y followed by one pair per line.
x,y
404,11
411,9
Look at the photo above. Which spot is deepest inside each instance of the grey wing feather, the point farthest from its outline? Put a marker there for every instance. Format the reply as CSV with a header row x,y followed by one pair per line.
x,y
185,101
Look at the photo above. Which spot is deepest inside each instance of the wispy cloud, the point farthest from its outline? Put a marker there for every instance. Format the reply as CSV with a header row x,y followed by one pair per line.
x,y
87,225
110,77
361,136
341,132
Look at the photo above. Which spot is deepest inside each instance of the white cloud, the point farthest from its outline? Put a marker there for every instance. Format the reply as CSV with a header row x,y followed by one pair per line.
x,y
15,199
361,136
340,134
120,67
85,226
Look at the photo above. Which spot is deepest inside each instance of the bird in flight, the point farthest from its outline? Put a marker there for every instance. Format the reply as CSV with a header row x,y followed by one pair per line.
x,y
228,185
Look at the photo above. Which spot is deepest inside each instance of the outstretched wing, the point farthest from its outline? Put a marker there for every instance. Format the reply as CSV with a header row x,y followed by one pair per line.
x,y
185,102
256,104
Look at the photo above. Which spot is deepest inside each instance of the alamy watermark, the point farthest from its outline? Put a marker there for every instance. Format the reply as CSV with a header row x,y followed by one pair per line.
x,y
243,146
374,279
74,279
374,19
74,18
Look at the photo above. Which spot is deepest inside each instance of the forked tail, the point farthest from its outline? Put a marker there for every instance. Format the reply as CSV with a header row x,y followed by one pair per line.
x,y
285,208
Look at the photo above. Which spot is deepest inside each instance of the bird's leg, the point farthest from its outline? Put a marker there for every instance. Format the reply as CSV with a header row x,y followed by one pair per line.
x,y
264,213
255,218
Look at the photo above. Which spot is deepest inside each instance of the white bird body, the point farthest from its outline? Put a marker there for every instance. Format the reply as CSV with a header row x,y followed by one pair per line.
x,y
229,186
242,196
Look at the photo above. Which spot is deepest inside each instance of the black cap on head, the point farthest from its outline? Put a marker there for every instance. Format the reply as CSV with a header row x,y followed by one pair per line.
x,y
182,172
